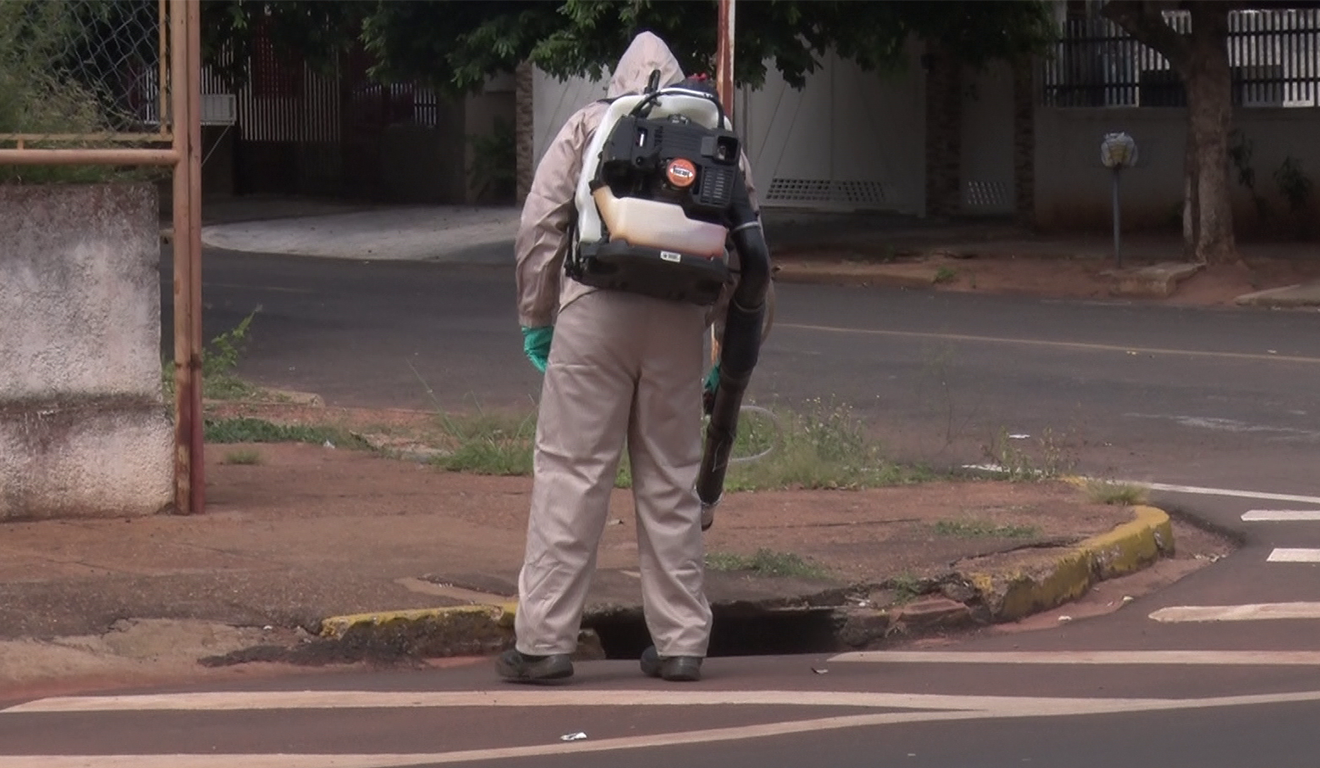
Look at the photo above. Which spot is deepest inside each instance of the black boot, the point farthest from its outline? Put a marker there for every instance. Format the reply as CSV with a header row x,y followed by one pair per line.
x,y
521,668
675,669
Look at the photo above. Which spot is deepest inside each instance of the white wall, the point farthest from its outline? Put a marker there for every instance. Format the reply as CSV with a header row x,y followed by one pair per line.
x,y
1073,188
554,101
848,139
83,426
987,140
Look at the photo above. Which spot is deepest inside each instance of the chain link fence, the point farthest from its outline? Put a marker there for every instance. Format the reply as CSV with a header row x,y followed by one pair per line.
x,y
83,74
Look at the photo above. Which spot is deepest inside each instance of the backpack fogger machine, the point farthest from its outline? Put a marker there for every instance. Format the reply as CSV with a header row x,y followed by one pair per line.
x,y
661,201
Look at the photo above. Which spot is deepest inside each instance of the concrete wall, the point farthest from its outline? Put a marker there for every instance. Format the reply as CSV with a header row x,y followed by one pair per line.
x,y
83,427
986,172
1073,188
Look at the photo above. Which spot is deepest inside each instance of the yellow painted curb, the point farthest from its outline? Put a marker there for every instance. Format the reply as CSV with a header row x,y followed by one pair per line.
x,y
500,617
1126,549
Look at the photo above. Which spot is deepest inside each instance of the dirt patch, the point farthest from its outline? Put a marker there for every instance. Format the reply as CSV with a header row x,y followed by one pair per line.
x,y
1040,266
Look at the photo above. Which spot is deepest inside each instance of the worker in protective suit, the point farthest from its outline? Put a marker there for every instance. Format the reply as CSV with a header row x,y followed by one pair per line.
x,y
622,367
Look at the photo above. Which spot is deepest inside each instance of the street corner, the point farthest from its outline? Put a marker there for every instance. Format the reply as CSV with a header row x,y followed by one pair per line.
x,y
1021,584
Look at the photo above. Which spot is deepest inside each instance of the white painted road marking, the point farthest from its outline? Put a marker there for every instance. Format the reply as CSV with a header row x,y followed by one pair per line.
x,y
1196,490
1210,354
1281,515
1213,658
1250,612
1000,707
1294,555
287,700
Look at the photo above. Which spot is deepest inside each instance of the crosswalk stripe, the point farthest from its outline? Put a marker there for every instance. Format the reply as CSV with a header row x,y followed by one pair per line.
x,y
1214,658
1010,707
1286,555
288,700
1281,515
1249,612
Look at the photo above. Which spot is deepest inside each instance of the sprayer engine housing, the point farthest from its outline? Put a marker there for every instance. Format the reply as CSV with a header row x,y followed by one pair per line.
x,y
672,160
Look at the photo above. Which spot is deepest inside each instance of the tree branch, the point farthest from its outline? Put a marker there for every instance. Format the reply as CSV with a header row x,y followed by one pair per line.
x,y
1144,21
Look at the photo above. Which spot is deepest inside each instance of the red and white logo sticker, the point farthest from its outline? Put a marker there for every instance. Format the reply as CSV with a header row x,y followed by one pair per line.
x,y
681,173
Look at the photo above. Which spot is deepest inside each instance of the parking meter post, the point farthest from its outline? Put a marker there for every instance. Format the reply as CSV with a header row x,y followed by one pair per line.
x,y
1118,215
1117,151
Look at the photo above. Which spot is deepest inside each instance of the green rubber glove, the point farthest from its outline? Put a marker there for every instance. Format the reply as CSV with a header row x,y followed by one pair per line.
x,y
712,378
536,345
708,388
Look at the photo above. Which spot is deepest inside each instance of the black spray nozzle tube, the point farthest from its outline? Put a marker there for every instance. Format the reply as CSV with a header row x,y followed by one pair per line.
x,y
740,349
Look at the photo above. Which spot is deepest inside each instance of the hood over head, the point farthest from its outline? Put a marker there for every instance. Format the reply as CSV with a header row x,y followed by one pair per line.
x,y
646,53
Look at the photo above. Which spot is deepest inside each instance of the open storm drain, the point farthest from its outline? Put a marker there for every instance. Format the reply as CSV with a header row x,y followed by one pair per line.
x,y
738,631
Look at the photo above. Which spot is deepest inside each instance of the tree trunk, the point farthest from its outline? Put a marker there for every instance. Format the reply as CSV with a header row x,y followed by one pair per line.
x,y
1208,209
1024,140
943,131
523,128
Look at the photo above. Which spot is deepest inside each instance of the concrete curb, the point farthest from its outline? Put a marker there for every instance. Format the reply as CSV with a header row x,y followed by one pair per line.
x,y
1126,549
449,631
995,595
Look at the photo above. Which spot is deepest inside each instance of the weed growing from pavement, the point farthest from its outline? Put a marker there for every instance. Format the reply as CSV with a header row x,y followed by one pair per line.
x,y
219,360
1124,494
243,456
820,447
906,588
975,529
766,562
1049,461
488,443
249,430
945,275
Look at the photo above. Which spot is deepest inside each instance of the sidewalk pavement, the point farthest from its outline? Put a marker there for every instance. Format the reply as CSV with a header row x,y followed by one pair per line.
x,y
883,249
318,554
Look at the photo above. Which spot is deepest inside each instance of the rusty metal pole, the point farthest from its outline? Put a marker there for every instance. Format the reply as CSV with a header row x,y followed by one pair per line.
x,y
185,79
724,88
197,454
724,57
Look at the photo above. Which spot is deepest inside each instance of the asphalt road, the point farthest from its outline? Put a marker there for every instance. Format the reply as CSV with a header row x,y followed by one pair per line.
x,y
1223,400
1011,700
1175,395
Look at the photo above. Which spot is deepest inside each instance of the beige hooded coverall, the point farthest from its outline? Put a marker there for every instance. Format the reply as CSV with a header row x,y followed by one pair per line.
x,y
621,365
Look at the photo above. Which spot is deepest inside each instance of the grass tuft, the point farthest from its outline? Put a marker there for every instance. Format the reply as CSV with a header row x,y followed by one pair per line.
x,y
243,456
249,430
976,529
1118,494
766,562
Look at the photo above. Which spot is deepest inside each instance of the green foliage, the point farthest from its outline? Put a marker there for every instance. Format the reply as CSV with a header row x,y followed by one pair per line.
x,y
249,430
489,443
1121,494
455,45
1043,458
1294,185
40,90
822,446
494,163
220,359
978,529
243,457
766,562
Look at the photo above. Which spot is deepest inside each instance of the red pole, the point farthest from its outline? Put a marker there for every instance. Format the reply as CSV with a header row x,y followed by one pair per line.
x,y
724,56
